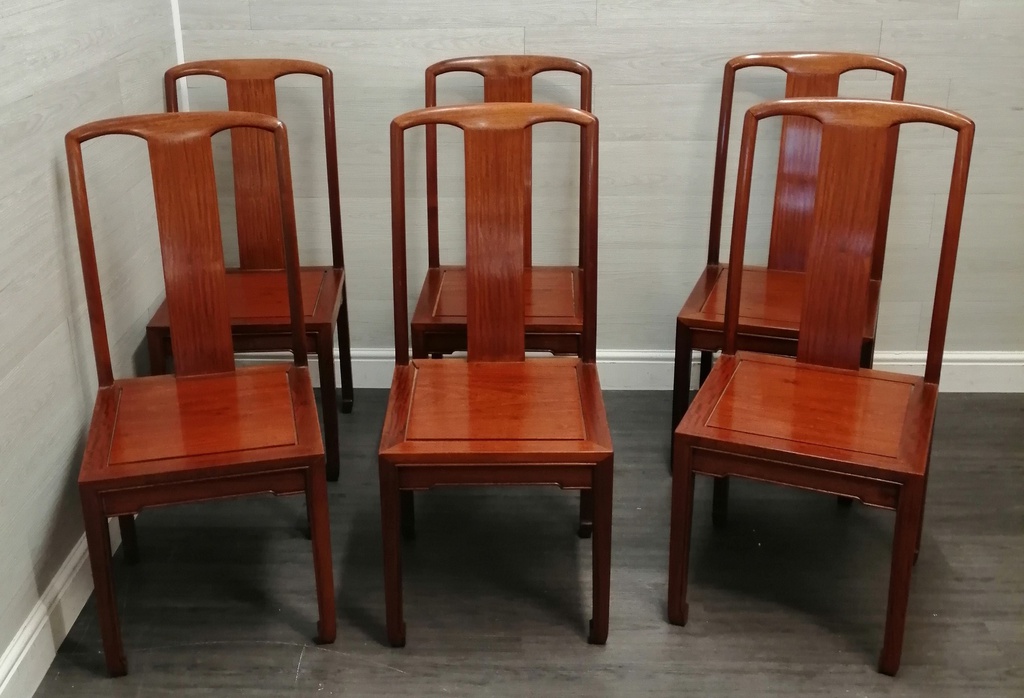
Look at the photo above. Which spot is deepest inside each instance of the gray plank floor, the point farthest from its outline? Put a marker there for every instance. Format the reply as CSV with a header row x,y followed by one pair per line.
x,y
788,601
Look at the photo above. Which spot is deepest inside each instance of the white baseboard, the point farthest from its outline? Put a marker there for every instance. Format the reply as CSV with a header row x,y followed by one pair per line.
x,y
962,371
28,656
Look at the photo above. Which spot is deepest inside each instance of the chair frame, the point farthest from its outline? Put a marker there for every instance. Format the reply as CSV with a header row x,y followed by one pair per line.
x,y
506,78
200,331
495,337
830,342
251,86
807,75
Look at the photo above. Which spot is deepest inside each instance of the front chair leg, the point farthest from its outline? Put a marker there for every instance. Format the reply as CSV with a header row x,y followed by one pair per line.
x,y
601,496
681,378
586,527
679,535
390,523
320,533
97,537
908,521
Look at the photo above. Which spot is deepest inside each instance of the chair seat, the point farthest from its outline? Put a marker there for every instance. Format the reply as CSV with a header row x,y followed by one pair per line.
x,y
160,428
859,422
451,411
552,297
258,299
771,302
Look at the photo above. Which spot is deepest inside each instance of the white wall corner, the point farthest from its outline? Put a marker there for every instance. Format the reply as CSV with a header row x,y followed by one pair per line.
x,y
25,661
962,371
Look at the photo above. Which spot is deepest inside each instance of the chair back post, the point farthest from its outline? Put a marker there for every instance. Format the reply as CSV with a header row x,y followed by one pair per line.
x,y
807,75
856,138
185,196
493,134
507,78
251,86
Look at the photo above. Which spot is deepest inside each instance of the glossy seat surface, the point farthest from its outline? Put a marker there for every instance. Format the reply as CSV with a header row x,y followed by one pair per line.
x,y
551,296
772,302
258,298
869,420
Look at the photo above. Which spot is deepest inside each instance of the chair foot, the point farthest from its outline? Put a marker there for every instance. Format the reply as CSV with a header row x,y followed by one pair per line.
x,y
326,636
596,638
397,638
585,530
678,614
346,405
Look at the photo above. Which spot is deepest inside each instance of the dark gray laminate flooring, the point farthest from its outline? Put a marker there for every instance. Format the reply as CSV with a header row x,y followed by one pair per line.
x,y
788,601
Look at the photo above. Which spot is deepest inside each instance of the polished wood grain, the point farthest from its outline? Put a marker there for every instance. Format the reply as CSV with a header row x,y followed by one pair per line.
x,y
818,421
699,324
209,431
552,323
493,418
256,301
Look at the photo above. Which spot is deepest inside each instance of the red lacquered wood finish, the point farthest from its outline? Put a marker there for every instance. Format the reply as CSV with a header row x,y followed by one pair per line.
x,y
818,421
769,321
494,418
554,304
257,305
209,431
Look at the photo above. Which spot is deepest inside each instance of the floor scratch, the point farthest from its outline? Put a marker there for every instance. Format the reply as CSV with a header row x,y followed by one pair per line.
x,y
299,666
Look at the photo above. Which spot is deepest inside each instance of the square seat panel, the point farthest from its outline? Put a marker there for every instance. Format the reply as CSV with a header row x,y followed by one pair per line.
x,y
771,302
552,298
447,410
862,422
258,299
156,426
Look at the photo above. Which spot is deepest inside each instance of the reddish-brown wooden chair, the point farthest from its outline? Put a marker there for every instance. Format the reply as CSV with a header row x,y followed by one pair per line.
x,y
555,298
819,421
494,418
770,307
209,431
257,301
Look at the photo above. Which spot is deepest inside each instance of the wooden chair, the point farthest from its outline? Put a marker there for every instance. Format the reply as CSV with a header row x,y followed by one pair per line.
x,y
494,418
770,308
209,431
820,421
555,299
257,302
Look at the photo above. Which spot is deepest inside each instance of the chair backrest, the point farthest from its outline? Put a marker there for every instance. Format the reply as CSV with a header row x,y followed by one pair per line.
x,y
506,79
807,75
494,135
251,87
847,202
185,195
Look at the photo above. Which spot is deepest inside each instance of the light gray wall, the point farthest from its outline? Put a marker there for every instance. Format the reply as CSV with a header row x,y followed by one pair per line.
x,y
65,62
657,69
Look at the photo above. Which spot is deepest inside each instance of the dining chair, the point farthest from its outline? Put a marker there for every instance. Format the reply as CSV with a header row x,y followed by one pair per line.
x,y
770,307
555,299
256,290
821,421
209,431
494,418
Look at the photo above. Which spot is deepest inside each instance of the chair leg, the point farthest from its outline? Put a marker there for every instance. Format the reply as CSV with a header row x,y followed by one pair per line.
x,y
390,523
129,540
924,497
320,533
329,399
601,500
345,353
908,522
679,535
586,527
419,344
408,515
681,378
157,356
720,503
707,360
97,537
